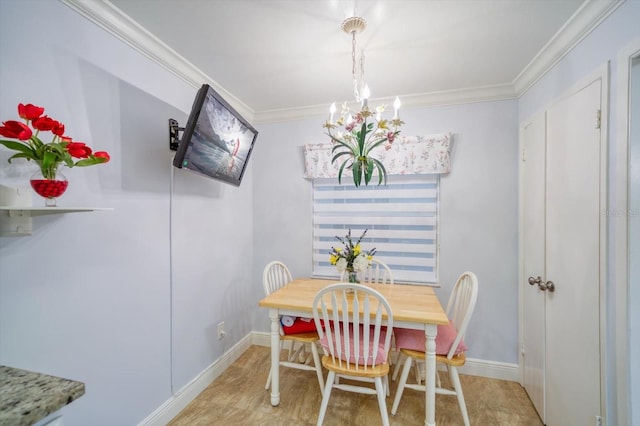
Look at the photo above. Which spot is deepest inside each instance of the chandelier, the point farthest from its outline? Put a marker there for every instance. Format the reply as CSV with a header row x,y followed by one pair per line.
x,y
354,135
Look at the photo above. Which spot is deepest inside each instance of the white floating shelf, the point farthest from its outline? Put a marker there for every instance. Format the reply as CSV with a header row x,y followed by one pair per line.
x,y
16,212
21,211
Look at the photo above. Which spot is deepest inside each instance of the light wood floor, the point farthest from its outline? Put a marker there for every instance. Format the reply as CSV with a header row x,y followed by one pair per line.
x,y
237,397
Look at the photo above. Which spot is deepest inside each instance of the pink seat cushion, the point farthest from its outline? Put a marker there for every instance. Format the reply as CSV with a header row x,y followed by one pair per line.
x,y
414,339
381,356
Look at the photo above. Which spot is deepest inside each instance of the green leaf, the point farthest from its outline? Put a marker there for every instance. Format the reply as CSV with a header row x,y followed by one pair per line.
x,y
90,161
361,137
341,144
382,172
340,171
357,177
37,143
369,171
68,161
340,154
20,155
372,145
48,159
26,150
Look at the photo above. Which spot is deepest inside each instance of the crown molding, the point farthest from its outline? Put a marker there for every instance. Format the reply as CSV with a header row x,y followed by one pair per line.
x,y
583,21
442,98
104,14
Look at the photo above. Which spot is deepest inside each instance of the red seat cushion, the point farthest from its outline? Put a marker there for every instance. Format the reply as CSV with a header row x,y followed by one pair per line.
x,y
300,326
414,339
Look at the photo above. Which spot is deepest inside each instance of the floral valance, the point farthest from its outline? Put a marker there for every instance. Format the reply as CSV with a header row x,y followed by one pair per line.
x,y
408,155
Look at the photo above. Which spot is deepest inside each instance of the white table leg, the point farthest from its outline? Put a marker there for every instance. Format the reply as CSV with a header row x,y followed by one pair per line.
x,y
430,360
275,356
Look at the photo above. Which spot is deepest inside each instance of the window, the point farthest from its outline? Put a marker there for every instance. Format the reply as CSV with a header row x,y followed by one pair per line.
x,y
400,218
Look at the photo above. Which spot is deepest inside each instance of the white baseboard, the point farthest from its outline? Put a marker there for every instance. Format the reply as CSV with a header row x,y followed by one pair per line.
x,y
167,411
260,338
491,369
473,366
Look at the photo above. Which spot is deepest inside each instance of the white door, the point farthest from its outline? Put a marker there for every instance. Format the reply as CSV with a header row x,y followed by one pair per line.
x,y
534,203
561,242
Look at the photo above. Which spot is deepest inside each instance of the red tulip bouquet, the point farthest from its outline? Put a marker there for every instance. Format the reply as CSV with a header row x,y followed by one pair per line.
x,y
49,156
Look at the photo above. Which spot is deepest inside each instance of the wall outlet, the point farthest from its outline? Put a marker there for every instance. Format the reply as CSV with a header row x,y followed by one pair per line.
x,y
221,332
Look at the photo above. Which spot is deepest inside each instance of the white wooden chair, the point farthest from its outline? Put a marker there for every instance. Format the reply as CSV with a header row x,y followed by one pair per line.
x,y
377,272
459,310
356,347
275,276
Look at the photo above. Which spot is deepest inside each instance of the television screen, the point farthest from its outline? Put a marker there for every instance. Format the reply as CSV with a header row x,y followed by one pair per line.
x,y
217,141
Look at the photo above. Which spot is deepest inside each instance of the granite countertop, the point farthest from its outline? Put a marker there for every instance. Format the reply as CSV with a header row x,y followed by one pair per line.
x,y
26,396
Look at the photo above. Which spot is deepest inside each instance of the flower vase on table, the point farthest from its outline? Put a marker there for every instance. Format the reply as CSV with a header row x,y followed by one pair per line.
x,y
49,184
352,276
351,259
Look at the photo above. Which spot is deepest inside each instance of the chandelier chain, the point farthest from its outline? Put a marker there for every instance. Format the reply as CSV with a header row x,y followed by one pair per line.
x,y
362,67
353,55
357,85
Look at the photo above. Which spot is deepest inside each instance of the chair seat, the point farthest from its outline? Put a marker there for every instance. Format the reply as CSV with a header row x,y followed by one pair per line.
x,y
415,339
302,337
379,370
456,360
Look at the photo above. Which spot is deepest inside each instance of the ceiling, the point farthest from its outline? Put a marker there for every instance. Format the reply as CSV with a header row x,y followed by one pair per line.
x,y
274,57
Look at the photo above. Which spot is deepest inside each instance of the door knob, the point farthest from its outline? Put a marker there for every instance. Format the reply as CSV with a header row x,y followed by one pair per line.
x,y
549,285
534,281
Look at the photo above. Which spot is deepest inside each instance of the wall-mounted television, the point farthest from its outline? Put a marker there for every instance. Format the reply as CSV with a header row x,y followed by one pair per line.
x,y
217,141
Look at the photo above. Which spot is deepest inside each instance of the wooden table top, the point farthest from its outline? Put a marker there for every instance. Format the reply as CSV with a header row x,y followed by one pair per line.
x,y
409,303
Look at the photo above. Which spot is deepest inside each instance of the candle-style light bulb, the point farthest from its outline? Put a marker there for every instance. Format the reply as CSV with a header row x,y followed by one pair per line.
x,y
396,108
332,110
365,95
349,119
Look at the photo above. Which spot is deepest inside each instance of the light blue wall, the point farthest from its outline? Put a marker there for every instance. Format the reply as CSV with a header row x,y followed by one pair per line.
x,y
599,48
96,296
478,215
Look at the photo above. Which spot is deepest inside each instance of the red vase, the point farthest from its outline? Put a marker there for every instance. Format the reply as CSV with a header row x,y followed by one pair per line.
x,y
49,188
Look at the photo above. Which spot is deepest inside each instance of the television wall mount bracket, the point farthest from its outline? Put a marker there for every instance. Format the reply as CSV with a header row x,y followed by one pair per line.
x,y
174,138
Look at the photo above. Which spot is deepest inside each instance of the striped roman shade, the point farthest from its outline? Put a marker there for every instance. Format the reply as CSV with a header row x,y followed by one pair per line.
x,y
400,218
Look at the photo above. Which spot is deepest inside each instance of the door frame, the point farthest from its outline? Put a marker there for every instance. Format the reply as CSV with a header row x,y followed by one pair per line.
x,y
620,227
600,73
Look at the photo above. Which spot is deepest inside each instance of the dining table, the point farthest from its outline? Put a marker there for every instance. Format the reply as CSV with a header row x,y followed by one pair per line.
x,y
413,306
